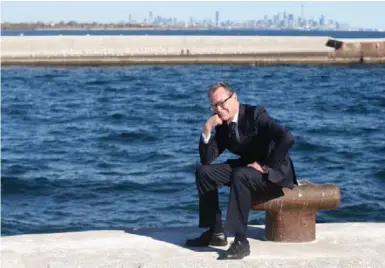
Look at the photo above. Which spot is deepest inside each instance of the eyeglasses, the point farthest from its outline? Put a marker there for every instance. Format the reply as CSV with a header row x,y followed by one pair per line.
x,y
220,103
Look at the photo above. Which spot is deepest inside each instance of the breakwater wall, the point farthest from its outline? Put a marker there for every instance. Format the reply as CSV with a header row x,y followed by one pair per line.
x,y
126,50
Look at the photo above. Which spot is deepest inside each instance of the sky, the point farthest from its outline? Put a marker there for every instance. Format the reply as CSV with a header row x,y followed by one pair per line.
x,y
355,14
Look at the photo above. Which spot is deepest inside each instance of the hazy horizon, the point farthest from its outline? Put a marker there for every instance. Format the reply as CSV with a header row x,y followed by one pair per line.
x,y
354,14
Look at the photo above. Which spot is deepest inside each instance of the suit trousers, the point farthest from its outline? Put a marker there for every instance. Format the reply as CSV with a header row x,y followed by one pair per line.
x,y
246,183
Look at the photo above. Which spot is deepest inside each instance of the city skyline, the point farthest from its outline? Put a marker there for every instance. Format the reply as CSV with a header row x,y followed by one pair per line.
x,y
280,20
367,15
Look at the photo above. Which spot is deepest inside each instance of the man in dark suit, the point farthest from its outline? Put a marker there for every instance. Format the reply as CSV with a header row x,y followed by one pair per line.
x,y
260,172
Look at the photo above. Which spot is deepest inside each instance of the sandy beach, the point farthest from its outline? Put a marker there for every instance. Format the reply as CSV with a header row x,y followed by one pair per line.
x,y
115,50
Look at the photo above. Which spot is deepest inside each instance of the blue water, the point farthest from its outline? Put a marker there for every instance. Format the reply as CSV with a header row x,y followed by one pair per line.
x,y
116,147
239,32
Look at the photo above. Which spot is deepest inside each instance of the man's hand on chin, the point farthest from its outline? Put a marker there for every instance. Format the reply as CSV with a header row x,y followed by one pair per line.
x,y
256,166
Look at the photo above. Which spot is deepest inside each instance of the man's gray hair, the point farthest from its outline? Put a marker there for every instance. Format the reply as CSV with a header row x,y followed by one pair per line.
x,y
217,85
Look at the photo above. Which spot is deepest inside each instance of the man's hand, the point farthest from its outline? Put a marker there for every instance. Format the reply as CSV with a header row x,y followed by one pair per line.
x,y
256,166
211,123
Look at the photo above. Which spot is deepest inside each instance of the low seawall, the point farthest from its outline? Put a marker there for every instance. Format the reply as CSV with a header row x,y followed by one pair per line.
x,y
337,245
127,50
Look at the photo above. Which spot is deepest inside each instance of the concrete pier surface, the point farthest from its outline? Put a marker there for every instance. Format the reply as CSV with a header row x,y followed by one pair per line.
x,y
337,245
125,50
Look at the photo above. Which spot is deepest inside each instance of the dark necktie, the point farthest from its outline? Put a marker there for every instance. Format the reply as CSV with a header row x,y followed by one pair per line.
x,y
233,129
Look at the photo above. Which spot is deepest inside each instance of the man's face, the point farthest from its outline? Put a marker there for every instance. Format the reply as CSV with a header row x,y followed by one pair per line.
x,y
224,104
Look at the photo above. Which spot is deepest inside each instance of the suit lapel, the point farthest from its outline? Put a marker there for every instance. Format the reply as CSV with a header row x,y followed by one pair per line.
x,y
241,122
241,125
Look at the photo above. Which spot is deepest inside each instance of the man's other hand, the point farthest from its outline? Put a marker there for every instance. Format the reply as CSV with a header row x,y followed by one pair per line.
x,y
256,166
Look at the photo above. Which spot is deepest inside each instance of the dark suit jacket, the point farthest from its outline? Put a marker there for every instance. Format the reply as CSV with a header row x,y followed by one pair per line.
x,y
261,140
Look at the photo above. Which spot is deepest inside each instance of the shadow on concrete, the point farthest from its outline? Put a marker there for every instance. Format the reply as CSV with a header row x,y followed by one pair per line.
x,y
178,236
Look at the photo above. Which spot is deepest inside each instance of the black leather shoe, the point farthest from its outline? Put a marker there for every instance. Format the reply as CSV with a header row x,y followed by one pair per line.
x,y
207,238
237,251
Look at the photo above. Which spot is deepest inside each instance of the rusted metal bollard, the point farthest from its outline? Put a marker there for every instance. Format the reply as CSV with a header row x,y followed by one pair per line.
x,y
292,217
357,49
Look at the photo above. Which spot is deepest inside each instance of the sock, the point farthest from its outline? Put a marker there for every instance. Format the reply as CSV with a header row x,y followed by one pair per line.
x,y
217,227
240,237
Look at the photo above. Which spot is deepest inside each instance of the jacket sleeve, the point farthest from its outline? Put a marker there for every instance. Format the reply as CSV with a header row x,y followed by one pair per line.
x,y
210,151
282,138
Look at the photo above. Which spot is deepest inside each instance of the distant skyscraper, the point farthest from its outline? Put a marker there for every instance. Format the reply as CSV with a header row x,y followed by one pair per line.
x,y
322,20
302,12
217,19
265,18
285,19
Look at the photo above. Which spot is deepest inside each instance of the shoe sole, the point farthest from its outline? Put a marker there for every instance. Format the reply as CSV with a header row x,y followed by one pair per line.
x,y
222,244
246,254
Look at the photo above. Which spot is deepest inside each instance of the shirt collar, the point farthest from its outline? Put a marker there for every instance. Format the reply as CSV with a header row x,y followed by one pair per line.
x,y
235,118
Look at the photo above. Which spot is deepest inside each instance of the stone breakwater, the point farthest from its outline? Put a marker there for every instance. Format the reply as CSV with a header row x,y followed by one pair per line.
x,y
116,50
340,245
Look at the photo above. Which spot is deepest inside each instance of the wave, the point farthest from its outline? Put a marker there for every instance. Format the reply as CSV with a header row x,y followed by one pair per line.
x,y
37,186
129,136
